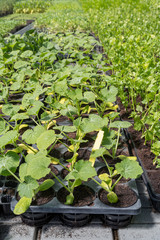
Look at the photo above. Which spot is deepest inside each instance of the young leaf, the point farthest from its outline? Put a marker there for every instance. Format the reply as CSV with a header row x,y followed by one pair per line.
x,y
30,136
10,109
9,137
83,170
129,169
112,197
9,161
46,139
93,123
61,87
69,111
120,124
66,128
3,127
36,105
109,95
22,206
69,199
20,116
89,96
46,185
20,64
108,139
36,166
26,189
27,54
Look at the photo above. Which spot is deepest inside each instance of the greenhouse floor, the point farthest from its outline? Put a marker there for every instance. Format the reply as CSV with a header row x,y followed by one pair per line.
x,y
144,226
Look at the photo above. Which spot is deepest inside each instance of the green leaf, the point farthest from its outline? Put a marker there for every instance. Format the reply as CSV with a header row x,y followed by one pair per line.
x,y
93,123
30,136
99,152
9,161
20,64
61,87
129,169
36,165
108,138
22,206
10,109
26,54
76,94
83,170
46,185
66,128
3,127
20,116
27,100
120,124
9,137
89,96
46,139
112,197
36,105
26,189
69,111
109,95
104,177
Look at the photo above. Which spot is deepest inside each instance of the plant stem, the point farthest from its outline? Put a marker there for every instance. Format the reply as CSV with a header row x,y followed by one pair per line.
x,y
116,143
96,181
116,182
27,146
60,181
107,166
14,175
65,146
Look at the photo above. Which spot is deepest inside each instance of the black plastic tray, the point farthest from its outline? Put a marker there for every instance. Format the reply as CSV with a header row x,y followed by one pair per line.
x,y
54,206
7,191
155,197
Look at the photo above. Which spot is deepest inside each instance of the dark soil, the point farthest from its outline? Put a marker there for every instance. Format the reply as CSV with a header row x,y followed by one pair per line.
x,y
112,161
64,173
17,28
124,113
126,197
82,154
15,96
9,191
83,196
42,197
55,152
144,151
154,179
88,138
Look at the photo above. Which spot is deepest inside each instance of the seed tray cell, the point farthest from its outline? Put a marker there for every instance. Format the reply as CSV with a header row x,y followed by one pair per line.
x,y
54,206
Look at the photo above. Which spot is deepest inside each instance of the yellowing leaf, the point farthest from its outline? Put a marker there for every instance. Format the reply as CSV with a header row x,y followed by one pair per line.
x,y
22,205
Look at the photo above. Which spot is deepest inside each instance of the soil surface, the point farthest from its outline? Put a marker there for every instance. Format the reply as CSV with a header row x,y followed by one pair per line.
x,y
42,197
83,196
124,113
144,152
82,154
126,197
154,178
64,173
